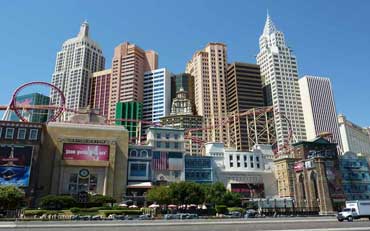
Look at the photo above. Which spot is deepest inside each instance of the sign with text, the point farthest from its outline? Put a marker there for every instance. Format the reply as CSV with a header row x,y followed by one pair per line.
x,y
85,152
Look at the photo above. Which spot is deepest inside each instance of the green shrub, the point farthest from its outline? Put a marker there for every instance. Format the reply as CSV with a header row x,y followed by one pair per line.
x,y
101,199
76,210
57,202
120,212
221,209
40,212
236,209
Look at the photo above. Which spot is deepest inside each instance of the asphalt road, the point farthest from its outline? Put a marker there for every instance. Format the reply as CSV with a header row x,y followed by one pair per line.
x,y
299,224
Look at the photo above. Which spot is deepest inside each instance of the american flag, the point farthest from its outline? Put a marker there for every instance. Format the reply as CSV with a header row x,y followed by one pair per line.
x,y
160,160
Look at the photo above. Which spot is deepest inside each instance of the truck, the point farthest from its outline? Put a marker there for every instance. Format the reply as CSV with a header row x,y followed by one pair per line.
x,y
355,210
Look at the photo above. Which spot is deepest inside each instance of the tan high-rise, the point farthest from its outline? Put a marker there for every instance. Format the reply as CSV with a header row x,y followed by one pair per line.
x,y
209,68
128,66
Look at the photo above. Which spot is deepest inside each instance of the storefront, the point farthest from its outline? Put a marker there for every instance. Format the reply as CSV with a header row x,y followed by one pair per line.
x,y
82,157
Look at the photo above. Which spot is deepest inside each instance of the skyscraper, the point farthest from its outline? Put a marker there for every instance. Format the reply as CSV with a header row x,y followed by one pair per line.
x,y
354,138
157,94
209,68
279,72
182,116
186,82
319,107
33,115
129,64
78,59
100,91
244,91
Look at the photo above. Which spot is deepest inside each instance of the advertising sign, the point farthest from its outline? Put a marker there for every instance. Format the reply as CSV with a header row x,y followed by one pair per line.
x,y
334,179
249,190
298,166
15,165
309,164
85,152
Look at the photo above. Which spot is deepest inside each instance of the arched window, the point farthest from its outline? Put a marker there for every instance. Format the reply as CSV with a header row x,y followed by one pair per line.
x,y
314,181
301,183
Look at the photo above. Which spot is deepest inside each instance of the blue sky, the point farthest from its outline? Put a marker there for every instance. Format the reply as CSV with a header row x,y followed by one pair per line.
x,y
329,38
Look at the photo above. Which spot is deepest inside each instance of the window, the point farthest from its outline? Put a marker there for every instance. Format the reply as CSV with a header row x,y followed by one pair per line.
x,y
167,135
138,169
176,145
79,184
33,134
167,144
176,136
158,135
9,133
158,144
21,134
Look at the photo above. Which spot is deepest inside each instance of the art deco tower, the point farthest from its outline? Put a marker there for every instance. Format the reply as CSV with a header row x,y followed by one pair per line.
x,y
78,59
279,73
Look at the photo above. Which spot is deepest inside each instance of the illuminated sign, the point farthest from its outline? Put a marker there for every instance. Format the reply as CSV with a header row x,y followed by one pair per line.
x,y
86,152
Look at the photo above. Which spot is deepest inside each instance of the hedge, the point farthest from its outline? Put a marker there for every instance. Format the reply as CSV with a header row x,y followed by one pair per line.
x,y
236,209
39,212
120,212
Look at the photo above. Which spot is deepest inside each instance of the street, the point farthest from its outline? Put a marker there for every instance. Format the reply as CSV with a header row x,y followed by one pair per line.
x,y
300,224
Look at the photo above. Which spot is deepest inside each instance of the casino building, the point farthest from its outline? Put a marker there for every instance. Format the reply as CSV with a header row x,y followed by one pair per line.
x,y
84,155
19,156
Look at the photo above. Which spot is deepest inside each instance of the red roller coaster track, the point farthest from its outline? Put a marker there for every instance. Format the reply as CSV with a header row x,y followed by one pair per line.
x,y
60,108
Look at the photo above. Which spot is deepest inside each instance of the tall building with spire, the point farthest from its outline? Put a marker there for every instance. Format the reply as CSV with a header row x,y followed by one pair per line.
x,y
209,68
79,58
279,73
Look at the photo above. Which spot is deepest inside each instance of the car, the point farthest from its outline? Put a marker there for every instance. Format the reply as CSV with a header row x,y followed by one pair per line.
x,y
234,214
250,213
96,218
144,217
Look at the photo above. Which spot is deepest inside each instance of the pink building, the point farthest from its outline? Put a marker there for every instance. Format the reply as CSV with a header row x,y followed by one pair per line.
x,y
100,87
129,64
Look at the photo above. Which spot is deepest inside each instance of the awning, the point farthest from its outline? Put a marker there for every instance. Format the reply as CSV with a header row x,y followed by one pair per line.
x,y
140,185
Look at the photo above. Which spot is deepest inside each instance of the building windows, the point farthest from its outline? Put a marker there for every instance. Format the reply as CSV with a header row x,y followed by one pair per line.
x,y
33,134
158,135
231,161
21,134
167,135
176,145
167,144
159,144
82,184
9,133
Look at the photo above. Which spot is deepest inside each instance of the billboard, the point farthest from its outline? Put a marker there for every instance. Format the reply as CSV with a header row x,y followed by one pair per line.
x,y
249,190
333,176
15,165
298,166
86,152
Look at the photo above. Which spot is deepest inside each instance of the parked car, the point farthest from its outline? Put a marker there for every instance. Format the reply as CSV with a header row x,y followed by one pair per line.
x,y
234,214
96,218
144,217
250,213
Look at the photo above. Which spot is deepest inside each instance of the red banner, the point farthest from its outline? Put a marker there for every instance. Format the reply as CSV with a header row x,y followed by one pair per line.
x,y
85,152
298,166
